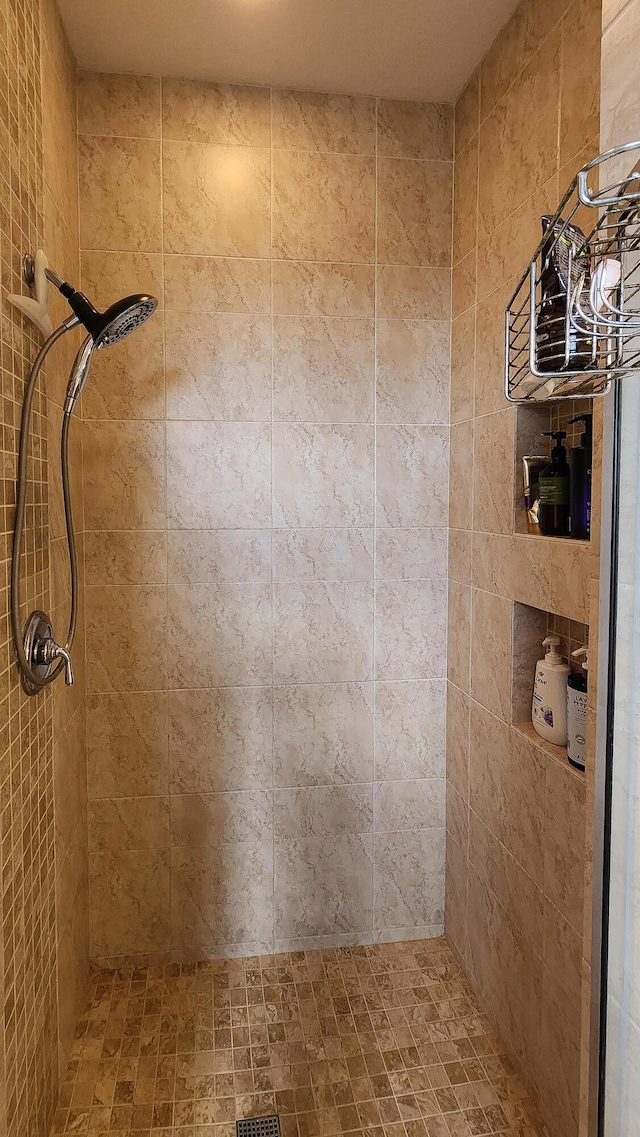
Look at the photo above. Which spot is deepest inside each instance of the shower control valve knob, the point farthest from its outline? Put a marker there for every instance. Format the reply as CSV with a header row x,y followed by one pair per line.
x,y
49,651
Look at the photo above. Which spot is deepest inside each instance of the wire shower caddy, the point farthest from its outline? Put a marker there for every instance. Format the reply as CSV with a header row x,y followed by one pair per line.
x,y
593,334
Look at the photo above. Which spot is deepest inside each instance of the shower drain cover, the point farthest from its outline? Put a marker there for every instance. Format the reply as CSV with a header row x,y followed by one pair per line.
x,y
258,1127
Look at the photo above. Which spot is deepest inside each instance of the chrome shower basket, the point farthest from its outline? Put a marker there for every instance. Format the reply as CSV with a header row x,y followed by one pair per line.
x,y
581,339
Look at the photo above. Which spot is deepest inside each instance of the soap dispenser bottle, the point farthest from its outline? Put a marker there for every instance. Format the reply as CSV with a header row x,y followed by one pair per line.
x,y
580,481
577,711
549,706
553,515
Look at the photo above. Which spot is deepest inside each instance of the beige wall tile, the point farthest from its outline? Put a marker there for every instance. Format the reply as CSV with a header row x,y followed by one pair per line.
x,y
467,113
561,1007
197,111
128,381
461,475
457,764
411,482
565,841
218,366
493,457
620,108
414,212
129,625
233,457
123,470
505,768
322,475
125,557
216,284
410,629
413,293
309,289
127,754
322,811
491,639
218,635
304,120
323,734
322,885
457,818
513,49
128,823
204,556
412,371
322,632
414,804
221,896
120,193
220,740
489,358
199,820
60,156
409,729
465,212
580,79
129,901
411,554
463,284
408,889
513,888
119,105
460,553
322,554
215,199
108,275
415,130
463,333
455,918
323,206
518,140
459,635
312,358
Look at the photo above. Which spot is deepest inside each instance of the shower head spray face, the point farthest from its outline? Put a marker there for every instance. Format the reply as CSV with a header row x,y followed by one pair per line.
x,y
106,328
122,318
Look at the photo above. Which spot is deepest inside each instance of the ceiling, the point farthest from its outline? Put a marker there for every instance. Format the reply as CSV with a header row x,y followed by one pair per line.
x,y
405,49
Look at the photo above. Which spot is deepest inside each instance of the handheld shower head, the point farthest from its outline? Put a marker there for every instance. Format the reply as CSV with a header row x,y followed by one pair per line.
x,y
111,326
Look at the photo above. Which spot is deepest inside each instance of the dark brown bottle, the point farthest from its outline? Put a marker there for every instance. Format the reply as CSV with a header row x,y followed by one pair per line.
x,y
553,514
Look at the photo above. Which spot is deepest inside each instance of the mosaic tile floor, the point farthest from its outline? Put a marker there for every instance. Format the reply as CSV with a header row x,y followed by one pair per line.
x,y
386,1039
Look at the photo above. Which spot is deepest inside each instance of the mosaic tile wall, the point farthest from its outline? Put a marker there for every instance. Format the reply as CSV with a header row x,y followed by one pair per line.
x,y
517,841
34,821
266,469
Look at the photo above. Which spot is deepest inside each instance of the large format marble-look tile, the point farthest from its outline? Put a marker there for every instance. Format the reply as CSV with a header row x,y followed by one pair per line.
x,y
463,335
125,557
461,474
409,878
323,369
410,292
218,475
415,130
322,554
305,120
218,635
323,632
108,275
127,753
308,288
220,818
491,638
209,556
128,823
564,841
216,284
411,554
322,811
129,902
459,635
412,384
221,895
414,212
323,206
125,171
218,366
458,739
411,475
216,199
219,739
322,734
411,629
127,382
493,472
322,475
128,625
119,104
417,803
322,885
124,478
409,729
194,110
510,884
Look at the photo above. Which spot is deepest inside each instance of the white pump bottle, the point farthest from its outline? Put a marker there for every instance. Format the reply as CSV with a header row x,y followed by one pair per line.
x,y
549,706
